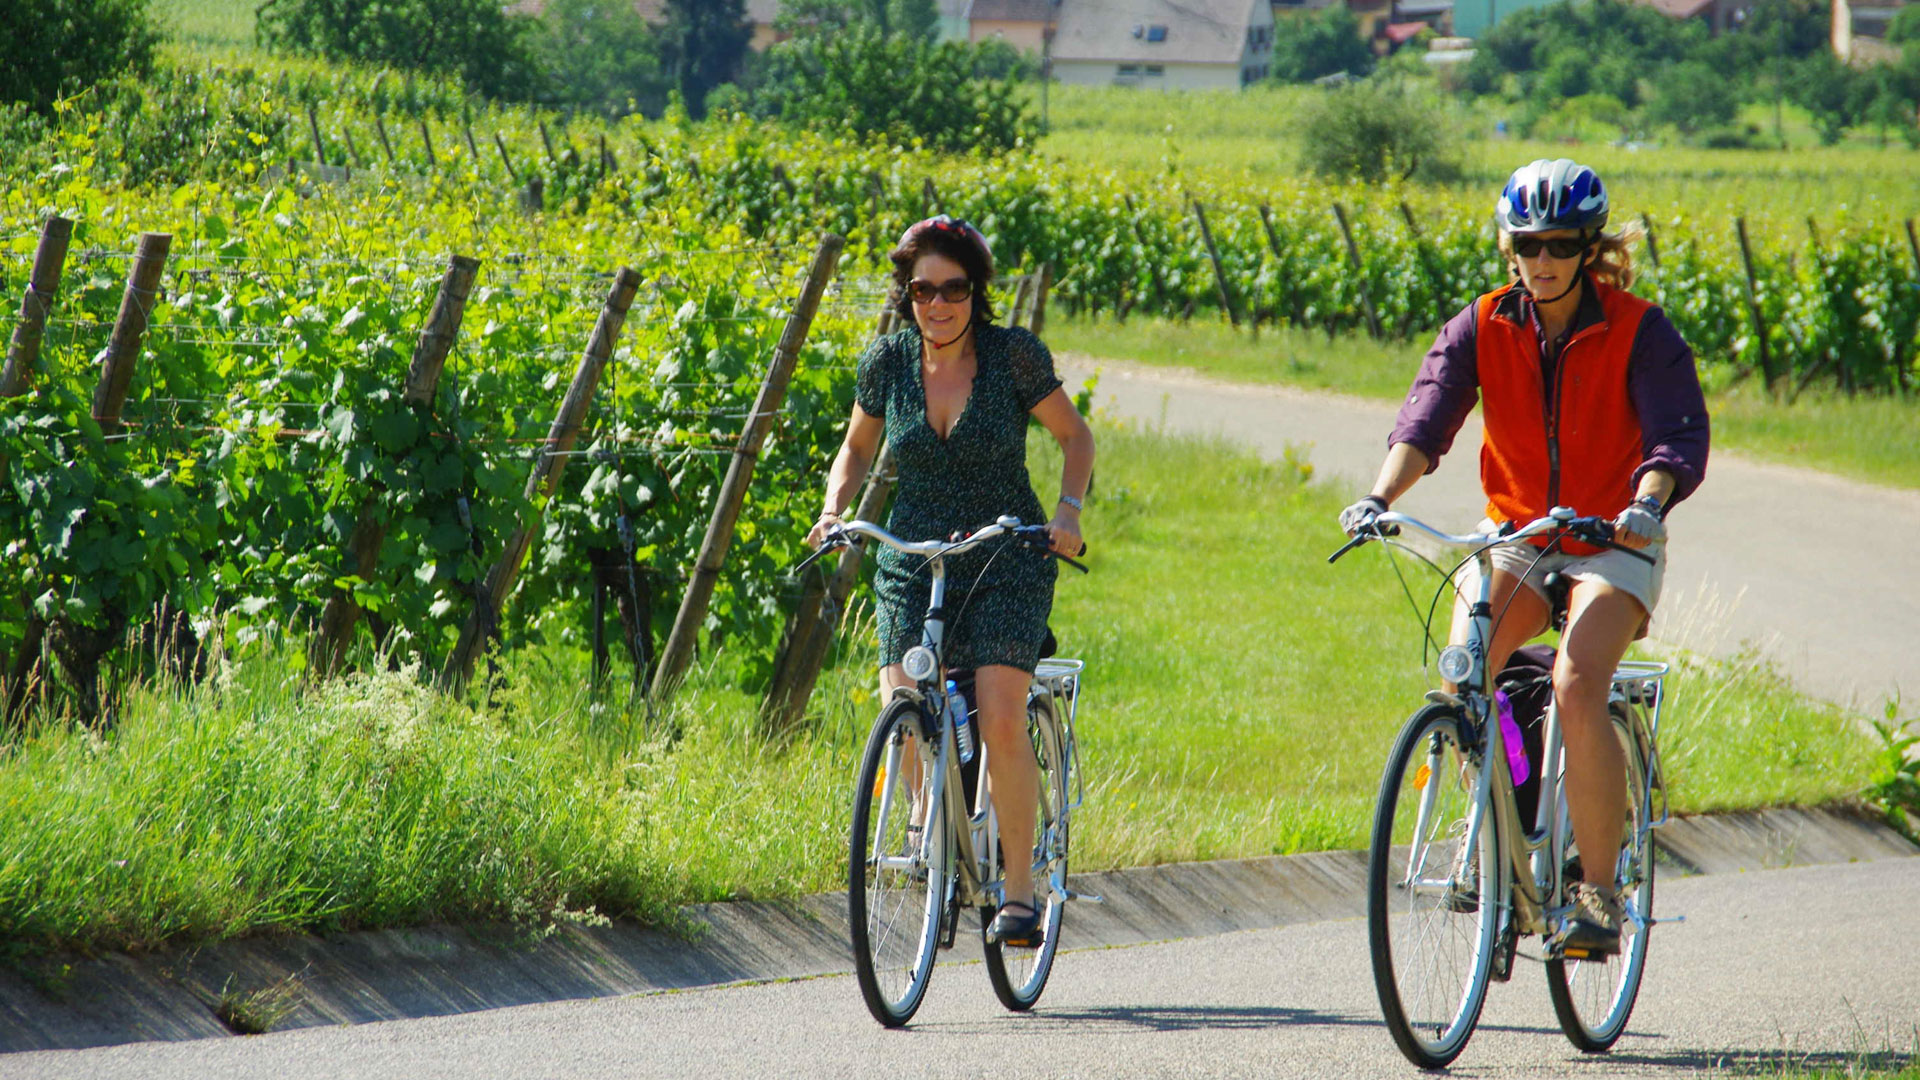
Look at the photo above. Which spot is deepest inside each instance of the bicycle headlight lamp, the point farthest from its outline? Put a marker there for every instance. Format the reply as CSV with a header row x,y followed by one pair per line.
x,y
918,663
1456,663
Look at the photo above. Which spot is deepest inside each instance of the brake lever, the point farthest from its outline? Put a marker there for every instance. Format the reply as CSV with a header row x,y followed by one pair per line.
x,y
830,544
1377,532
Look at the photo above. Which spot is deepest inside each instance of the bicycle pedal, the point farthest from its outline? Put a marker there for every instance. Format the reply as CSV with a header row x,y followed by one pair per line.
x,y
1588,955
1090,898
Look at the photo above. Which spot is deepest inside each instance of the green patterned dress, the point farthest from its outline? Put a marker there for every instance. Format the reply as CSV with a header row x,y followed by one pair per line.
x,y
998,595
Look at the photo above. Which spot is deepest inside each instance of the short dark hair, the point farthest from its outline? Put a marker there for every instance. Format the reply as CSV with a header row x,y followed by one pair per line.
x,y
953,244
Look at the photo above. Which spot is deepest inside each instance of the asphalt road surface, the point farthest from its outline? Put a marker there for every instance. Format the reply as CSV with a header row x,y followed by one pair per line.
x,y
1812,571
1810,965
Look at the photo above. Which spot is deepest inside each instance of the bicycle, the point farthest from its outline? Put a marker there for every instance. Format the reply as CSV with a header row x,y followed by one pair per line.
x,y
1447,832
924,841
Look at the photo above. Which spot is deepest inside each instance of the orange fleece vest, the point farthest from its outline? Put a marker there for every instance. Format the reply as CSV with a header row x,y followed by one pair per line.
x,y
1579,450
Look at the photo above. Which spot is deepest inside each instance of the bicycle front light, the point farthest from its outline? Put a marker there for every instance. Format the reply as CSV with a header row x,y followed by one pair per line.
x,y
918,663
1456,663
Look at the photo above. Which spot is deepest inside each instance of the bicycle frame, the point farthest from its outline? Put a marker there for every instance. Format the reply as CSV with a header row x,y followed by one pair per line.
x,y
970,831
1536,856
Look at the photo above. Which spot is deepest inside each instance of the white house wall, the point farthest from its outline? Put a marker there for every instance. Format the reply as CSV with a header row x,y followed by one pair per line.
x,y
1175,76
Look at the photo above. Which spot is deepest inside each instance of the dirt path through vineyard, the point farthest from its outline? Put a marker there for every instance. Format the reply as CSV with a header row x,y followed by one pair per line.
x,y
1814,572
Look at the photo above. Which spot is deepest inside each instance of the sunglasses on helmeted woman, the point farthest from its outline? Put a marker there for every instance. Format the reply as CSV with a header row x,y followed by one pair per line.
x,y
1529,247
952,292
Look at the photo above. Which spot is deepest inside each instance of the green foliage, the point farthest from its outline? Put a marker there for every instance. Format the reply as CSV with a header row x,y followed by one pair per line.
x,y
1373,130
1904,28
913,18
1691,97
900,87
704,42
56,47
601,56
1308,45
476,39
1895,784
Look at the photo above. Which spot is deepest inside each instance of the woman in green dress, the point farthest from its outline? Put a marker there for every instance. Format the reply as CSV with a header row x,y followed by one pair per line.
x,y
952,393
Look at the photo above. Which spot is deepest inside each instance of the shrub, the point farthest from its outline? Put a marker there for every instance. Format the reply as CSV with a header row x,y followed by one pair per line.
x,y
868,82
476,39
53,47
1692,97
1373,130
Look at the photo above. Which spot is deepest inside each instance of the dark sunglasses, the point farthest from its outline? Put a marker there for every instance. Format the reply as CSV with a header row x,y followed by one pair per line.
x,y
952,292
1529,247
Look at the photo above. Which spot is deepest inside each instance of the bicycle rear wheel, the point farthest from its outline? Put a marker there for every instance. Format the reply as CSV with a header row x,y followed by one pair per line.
x,y
898,872
1594,998
1019,975
1431,919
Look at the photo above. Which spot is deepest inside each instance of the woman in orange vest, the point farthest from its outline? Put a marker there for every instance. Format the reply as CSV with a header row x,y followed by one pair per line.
x,y
1591,401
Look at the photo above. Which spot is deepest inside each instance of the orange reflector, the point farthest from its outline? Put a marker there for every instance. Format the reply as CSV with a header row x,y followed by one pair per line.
x,y
1420,777
880,782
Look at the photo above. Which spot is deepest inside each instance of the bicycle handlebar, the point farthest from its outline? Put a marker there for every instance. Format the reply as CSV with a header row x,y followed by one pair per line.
x,y
1561,519
1035,536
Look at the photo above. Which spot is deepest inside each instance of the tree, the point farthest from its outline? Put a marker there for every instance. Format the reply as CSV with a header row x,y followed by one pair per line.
x,y
52,47
1904,29
704,42
602,56
1309,46
862,80
1692,97
1832,92
476,39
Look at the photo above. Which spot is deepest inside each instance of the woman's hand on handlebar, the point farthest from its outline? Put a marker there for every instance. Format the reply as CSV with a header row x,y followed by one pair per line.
x,y
818,534
1063,532
1638,526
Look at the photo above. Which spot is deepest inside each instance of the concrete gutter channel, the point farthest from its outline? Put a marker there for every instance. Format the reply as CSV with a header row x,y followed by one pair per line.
x,y
399,974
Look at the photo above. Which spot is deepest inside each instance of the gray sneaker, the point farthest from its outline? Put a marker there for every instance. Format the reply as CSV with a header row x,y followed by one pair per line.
x,y
1593,925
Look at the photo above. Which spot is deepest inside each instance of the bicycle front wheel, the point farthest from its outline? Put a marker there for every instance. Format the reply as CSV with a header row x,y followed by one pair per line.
x,y
898,876
1593,998
1431,915
1018,975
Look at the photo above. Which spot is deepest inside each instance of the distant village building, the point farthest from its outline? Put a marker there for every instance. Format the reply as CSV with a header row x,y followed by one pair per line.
x,y
1163,44
1022,24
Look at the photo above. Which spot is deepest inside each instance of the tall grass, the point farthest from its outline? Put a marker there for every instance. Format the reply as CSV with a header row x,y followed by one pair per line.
x,y
1240,697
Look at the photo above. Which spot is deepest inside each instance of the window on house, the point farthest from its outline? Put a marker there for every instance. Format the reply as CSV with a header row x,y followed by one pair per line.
x,y
1156,32
1129,71
1154,71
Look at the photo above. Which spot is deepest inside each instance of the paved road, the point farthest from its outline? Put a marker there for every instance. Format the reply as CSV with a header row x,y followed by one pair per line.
x,y
1751,976
1813,571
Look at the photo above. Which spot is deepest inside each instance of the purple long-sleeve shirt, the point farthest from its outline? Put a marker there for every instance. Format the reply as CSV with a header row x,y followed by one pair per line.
x,y
1661,380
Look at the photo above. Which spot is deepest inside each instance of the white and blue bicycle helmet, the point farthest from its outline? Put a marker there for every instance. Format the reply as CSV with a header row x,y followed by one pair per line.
x,y
1545,196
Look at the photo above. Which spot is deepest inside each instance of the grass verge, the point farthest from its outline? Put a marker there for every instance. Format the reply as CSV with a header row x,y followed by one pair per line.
x,y
1240,697
1863,438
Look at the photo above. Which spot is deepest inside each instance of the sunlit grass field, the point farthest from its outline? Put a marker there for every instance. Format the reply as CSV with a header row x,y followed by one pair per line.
x,y
1239,700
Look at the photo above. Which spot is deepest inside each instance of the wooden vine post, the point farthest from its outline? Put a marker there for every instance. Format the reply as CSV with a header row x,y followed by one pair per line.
x,y
337,619
1653,246
1753,305
466,128
1153,268
1359,272
380,129
1913,245
1037,317
1280,256
426,143
1426,258
492,593
117,360
505,158
313,130
1219,273
23,352
23,357
678,652
823,599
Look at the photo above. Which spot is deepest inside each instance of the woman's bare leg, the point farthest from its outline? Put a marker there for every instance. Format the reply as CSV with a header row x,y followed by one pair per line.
x,y
1601,623
1013,775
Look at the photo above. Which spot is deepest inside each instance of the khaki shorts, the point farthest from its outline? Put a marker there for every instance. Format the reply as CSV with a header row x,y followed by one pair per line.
x,y
1633,576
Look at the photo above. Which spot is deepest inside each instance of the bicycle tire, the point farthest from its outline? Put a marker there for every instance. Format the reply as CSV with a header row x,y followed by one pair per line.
x,y
1432,937
1019,975
898,876
1594,1000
